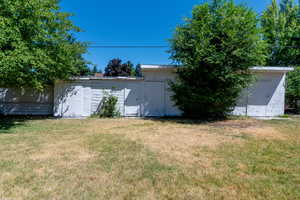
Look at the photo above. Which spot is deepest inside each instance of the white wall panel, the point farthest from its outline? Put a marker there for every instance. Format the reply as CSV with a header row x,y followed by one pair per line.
x,y
277,101
133,99
171,109
17,101
154,99
100,89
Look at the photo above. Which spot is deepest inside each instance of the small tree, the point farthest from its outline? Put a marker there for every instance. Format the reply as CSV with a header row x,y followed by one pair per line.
x,y
216,48
108,107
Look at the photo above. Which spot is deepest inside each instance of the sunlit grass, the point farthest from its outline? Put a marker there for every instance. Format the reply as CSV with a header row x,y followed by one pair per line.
x,y
149,159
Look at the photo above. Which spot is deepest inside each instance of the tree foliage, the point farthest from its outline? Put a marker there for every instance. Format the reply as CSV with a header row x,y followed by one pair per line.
x,y
216,47
37,45
116,68
281,30
293,89
138,70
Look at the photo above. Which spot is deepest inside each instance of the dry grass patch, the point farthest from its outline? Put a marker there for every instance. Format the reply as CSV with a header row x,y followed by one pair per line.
x,y
149,159
250,128
176,141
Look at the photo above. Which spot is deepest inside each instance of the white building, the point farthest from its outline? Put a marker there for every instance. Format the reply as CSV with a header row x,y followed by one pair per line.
x,y
140,97
151,97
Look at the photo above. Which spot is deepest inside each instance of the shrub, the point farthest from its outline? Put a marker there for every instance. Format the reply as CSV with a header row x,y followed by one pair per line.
x,y
293,89
108,107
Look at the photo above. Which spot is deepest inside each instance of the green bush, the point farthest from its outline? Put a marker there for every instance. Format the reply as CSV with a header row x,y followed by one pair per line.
x,y
108,107
293,88
216,48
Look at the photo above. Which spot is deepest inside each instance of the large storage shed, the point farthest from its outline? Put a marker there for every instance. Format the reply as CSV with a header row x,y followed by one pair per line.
x,y
150,96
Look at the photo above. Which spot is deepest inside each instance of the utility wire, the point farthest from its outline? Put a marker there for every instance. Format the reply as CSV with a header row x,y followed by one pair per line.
x,y
148,45
126,46
156,47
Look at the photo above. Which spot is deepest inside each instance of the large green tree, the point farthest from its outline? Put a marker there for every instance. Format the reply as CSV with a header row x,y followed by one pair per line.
x,y
216,48
37,44
281,30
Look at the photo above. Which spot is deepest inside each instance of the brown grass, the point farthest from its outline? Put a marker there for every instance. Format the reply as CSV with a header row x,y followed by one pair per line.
x,y
143,159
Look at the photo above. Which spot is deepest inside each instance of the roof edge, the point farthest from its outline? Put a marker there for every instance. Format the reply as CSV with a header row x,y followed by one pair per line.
x,y
119,78
282,69
272,69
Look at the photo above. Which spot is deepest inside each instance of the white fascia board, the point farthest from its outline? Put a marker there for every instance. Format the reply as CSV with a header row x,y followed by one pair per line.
x,y
255,69
102,79
272,69
158,67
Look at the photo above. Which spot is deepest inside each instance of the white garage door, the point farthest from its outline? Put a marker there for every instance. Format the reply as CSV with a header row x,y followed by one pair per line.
x,y
154,99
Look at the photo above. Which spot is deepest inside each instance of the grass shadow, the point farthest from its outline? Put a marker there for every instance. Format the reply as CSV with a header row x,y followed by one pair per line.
x,y
7,123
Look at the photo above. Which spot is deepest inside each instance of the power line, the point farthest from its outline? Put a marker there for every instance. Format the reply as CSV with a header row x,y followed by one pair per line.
x,y
159,46
127,46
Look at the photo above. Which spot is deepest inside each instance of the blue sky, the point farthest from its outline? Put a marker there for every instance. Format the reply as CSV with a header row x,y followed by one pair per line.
x,y
133,22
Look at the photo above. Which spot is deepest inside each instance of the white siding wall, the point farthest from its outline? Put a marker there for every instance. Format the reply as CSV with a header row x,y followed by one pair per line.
x,y
152,97
265,97
69,100
83,98
164,76
276,105
14,101
100,89
133,99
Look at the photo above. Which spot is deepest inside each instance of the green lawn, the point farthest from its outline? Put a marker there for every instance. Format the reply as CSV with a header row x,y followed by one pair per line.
x,y
149,159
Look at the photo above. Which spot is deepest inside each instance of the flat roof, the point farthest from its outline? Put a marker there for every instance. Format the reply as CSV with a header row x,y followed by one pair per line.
x,y
255,68
272,69
120,78
159,66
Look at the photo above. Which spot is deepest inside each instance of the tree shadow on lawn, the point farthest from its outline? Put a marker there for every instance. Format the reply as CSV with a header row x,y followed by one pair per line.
x,y
220,122
184,120
9,122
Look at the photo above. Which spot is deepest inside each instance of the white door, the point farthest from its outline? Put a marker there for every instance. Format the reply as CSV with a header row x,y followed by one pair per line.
x,y
132,99
154,99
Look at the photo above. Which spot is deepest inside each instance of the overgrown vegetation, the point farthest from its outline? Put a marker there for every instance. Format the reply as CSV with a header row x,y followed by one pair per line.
x,y
149,159
108,107
216,47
